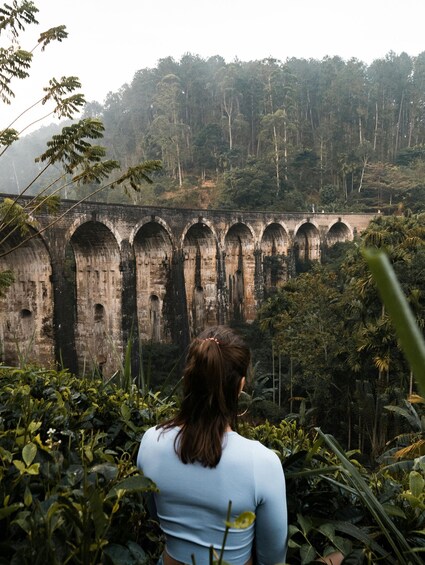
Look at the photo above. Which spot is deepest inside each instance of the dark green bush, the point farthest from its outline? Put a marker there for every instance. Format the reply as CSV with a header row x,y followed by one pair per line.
x,y
69,488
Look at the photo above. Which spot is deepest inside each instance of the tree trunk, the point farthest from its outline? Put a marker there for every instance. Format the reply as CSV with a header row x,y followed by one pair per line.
x,y
276,157
375,135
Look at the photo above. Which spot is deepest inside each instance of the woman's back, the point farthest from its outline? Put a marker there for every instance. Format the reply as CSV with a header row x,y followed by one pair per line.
x,y
200,464
193,501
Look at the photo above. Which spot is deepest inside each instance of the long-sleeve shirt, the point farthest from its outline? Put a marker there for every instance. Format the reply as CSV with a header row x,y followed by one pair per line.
x,y
193,500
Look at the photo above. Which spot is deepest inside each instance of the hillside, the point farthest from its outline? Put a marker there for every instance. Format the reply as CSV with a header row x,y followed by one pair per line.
x,y
294,135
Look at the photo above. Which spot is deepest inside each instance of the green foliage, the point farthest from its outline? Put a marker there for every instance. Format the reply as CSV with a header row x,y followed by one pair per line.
x,y
335,340
250,187
322,131
408,332
69,490
70,493
335,504
71,152
13,63
8,136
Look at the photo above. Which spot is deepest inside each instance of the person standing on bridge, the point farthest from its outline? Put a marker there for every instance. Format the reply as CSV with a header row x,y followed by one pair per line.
x,y
200,463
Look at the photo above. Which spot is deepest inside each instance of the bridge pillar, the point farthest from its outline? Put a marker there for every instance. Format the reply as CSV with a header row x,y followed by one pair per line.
x,y
178,314
258,276
222,292
130,329
64,315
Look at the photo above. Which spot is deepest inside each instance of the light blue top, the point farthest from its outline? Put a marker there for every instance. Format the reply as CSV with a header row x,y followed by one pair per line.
x,y
192,501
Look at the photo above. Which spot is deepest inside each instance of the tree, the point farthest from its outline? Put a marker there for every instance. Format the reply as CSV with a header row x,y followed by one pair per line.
x,y
80,161
167,128
305,321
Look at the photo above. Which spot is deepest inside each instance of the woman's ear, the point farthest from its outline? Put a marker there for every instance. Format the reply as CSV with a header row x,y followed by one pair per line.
x,y
242,384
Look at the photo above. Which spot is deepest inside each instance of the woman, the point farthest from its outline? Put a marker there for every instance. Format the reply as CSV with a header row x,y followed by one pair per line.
x,y
199,463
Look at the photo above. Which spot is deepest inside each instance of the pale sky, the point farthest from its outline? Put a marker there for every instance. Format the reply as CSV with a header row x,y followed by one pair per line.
x,y
109,40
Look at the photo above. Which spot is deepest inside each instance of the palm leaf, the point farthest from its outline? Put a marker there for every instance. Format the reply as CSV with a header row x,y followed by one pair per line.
x,y
407,330
395,538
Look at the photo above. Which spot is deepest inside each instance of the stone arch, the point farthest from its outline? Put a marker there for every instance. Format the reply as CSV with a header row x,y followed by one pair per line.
x,y
153,251
202,221
85,219
26,310
94,252
338,231
200,276
239,265
274,251
306,243
147,220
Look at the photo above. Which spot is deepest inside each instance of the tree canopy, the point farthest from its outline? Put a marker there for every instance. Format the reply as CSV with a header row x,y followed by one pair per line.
x,y
331,134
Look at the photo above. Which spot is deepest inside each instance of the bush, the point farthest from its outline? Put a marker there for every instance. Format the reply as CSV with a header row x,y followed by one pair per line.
x,y
69,488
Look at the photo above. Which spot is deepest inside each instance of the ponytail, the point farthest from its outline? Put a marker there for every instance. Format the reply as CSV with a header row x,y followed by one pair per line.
x,y
216,363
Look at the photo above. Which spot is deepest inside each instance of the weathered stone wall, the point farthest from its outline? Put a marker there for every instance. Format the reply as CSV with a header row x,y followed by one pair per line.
x,y
104,274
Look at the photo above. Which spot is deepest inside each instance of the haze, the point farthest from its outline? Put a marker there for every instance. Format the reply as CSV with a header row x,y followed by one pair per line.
x,y
109,41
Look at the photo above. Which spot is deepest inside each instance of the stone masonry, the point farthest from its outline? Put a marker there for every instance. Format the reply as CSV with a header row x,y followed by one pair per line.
x,y
103,274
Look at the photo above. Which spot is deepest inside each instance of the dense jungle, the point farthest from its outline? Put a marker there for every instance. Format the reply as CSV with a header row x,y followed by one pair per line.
x,y
330,390
289,135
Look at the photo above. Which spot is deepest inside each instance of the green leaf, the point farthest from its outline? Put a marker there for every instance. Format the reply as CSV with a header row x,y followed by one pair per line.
x,y
328,530
307,553
28,453
305,523
416,483
99,517
408,332
27,497
393,510
136,483
4,512
33,469
125,412
292,530
20,465
136,551
108,470
119,555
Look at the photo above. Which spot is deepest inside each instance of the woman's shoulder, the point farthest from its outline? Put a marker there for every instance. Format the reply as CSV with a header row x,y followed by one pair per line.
x,y
156,433
254,446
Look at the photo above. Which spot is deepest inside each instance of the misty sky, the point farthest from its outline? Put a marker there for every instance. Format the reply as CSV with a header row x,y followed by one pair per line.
x,y
110,40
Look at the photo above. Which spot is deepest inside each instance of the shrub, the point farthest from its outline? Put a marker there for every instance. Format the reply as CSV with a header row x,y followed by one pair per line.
x,y
69,488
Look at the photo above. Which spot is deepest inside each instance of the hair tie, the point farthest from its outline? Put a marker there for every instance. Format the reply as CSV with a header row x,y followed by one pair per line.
x,y
211,339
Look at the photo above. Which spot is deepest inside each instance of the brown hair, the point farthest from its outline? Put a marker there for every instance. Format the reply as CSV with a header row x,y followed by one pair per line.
x,y
217,361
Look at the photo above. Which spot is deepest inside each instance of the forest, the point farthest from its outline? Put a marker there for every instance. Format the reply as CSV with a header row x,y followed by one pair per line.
x,y
296,135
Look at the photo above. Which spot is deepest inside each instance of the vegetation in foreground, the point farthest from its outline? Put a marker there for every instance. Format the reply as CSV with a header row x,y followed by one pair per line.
x,y
70,491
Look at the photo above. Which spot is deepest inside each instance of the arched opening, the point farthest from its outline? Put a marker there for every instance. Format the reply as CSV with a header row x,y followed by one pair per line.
x,y
153,251
200,277
306,246
98,288
274,249
240,269
339,232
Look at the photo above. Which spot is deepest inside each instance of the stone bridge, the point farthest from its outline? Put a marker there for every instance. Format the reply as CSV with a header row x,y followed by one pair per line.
x,y
104,274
